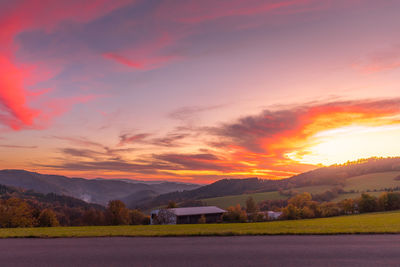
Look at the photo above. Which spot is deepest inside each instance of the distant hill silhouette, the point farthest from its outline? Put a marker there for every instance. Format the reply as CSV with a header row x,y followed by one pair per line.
x,y
98,191
50,200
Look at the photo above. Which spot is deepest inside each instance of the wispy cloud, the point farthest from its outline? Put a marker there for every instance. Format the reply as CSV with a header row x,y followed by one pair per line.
x,y
385,60
19,146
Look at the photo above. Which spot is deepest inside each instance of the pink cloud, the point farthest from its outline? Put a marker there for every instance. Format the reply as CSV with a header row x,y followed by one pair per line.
x,y
146,55
20,16
380,61
193,11
15,112
141,64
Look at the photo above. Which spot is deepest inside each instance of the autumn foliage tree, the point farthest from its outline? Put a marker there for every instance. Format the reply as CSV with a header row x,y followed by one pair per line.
x,y
47,218
235,214
367,203
93,217
137,217
252,209
16,212
117,213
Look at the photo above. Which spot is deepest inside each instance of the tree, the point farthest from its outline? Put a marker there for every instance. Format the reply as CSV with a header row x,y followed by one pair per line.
x,y
367,203
300,200
171,205
389,201
16,212
93,217
117,213
291,212
306,212
137,217
329,209
347,206
251,209
47,218
251,205
235,214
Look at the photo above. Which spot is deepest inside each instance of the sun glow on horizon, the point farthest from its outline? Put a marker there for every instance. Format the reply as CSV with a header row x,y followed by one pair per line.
x,y
350,143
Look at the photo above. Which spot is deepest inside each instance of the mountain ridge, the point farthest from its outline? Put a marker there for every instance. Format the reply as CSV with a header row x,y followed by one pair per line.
x,y
89,190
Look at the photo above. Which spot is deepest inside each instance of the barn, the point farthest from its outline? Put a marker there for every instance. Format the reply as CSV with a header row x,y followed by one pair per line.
x,y
212,214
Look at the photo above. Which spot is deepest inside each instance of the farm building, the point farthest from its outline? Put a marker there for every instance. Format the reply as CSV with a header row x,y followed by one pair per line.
x,y
274,215
211,214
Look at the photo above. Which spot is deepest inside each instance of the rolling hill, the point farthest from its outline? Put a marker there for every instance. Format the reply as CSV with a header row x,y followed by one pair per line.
x,y
349,180
98,191
51,200
375,174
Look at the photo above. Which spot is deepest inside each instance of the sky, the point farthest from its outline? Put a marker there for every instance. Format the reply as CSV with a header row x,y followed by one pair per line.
x,y
197,91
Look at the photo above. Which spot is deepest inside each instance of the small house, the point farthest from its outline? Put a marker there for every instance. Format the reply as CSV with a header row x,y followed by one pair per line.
x,y
210,214
274,215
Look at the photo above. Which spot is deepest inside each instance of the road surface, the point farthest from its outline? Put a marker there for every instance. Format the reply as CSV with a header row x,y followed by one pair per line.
x,y
343,250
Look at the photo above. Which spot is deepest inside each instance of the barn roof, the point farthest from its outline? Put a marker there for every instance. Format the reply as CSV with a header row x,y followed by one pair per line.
x,y
196,210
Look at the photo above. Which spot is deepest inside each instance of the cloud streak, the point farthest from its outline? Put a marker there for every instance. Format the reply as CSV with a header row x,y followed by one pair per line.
x,y
255,145
385,60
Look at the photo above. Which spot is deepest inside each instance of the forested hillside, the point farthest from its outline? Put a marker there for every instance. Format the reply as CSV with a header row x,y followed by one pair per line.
x,y
335,175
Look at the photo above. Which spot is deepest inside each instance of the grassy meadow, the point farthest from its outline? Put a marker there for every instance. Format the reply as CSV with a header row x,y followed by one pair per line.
x,y
371,182
227,201
371,223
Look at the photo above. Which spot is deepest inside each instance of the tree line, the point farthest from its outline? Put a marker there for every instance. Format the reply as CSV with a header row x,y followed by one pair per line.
x,y
17,212
303,206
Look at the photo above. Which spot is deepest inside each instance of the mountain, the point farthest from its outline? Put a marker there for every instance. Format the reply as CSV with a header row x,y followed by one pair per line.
x,y
46,200
136,194
98,191
335,175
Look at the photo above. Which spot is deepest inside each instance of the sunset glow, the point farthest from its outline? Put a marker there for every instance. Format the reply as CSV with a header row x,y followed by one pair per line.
x,y
183,91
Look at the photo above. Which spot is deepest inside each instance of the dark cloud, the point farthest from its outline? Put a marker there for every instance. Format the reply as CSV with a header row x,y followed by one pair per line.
x,y
193,161
189,113
170,140
125,139
83,153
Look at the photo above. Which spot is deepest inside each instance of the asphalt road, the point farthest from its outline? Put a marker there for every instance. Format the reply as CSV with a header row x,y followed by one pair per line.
x,y
344,250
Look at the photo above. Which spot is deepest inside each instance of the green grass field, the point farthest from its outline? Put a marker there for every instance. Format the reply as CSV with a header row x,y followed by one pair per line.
x,y
227,201
372,181
354,196
372,223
